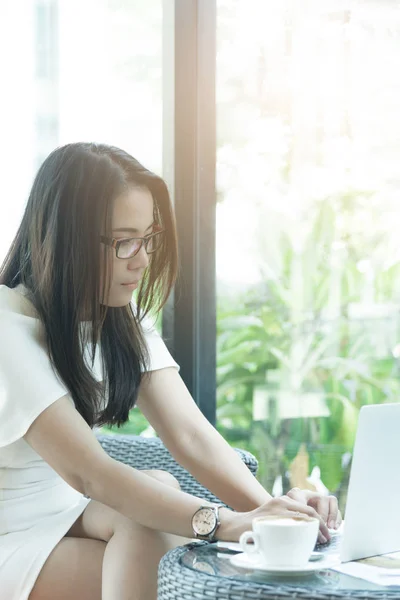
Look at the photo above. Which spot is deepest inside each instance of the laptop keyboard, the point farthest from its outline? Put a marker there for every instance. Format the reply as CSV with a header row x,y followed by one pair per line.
x,y
331,547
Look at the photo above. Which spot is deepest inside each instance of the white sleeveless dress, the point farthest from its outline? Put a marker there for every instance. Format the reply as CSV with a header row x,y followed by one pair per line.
x,y
37,507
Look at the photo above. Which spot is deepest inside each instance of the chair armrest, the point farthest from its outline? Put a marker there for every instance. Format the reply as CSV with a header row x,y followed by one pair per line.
x,y
150,453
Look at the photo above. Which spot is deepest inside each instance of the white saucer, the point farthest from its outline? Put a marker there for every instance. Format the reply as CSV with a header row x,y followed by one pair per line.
x,y
254,561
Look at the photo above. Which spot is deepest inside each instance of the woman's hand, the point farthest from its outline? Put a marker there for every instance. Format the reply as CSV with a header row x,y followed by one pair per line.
x,y
233,524
326,506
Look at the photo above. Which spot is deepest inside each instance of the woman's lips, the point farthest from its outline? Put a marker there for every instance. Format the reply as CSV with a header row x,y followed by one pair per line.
x,y
131,286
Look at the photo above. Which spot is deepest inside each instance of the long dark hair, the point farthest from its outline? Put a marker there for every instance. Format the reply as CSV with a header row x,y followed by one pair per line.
x,y
57,255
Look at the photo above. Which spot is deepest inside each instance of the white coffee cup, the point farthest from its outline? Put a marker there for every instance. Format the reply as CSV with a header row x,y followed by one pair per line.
x,y
282,541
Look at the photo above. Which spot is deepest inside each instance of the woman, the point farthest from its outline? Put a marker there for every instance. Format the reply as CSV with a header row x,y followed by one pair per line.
x,y
75,523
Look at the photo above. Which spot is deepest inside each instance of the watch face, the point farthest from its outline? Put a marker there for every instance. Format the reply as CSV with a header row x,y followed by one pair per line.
x,y
204,521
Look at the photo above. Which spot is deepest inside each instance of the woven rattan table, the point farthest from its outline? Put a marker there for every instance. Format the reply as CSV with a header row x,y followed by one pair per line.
x,y
197,571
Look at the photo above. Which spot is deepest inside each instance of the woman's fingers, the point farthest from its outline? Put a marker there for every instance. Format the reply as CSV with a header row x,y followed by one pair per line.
x,y
326,506
335,517
322,506
295,506
333,512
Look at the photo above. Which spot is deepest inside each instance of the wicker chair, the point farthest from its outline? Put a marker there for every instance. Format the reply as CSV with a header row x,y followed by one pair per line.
x,y
150,453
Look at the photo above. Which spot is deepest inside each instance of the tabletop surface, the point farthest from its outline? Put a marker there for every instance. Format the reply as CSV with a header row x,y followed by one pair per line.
x,y
209,560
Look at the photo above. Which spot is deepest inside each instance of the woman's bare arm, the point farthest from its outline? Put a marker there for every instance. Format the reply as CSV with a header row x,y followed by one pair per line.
x,y
196,445
65,441
191,439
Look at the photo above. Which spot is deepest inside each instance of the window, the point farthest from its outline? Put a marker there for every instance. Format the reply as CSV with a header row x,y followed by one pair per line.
x,y
307,240
82,70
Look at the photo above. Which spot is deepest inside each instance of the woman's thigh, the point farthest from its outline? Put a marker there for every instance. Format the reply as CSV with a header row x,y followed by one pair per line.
x,y
73,570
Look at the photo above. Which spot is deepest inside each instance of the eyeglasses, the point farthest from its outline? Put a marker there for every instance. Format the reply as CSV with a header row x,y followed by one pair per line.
x,y
129,247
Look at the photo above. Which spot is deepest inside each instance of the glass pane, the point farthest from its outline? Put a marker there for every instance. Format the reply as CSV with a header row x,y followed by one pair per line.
x,y
307,231
82,70
76,70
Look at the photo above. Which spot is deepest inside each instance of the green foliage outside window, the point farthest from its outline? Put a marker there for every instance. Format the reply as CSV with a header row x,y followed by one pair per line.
x,y
301,332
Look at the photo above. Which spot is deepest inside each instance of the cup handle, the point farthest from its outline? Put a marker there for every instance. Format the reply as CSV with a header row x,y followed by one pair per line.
x,y
246,547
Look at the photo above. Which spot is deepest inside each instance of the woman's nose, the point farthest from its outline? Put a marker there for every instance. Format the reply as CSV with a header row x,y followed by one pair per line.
x,y
141,259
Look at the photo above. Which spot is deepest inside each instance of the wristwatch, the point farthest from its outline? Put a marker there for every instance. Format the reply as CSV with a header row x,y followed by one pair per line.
x,y
205,522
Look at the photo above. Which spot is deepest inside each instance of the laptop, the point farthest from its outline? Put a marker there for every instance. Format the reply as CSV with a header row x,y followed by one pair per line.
x,y
372,513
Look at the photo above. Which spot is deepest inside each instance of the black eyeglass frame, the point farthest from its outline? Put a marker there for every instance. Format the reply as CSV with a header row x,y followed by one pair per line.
x,y
114,243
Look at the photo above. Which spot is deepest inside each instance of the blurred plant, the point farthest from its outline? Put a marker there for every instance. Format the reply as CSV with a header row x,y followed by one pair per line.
x,y
301,325
136,425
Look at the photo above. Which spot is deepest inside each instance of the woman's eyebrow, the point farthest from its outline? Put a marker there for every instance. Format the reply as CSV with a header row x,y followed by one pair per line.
x,y
132,229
